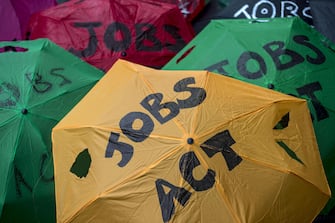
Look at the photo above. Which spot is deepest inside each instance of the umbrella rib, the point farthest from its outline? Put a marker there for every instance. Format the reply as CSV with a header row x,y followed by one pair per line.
x,y
118,130
195,120
8,120
238,117
280,170
64,93
248,113
150,87
15,146
136,174
221,189
44,117
250,159
146,169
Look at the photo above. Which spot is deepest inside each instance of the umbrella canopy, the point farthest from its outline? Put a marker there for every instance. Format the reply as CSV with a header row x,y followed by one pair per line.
x,y
15,15
256,9
189,8
211,9
284,54
39,83
102,31
187,146
324,17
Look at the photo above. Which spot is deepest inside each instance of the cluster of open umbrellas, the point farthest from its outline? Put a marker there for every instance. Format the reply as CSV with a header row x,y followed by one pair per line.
x,y
167,111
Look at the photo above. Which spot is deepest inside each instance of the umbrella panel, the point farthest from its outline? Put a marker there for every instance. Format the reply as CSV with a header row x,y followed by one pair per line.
x,y
115,29
292,58
323,17
176,160
37,88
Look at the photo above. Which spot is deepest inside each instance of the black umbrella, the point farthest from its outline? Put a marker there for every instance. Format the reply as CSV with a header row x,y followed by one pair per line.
x,y
256,9
323,12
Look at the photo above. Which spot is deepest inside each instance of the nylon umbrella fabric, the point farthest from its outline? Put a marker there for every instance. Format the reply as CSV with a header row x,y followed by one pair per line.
x,y
189,8
204,17
259,9
102,31
39,83
324,17
186,146
284,54
15,15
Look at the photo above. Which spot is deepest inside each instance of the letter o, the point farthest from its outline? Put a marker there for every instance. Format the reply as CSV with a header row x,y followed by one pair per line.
x,y
264,12
111,42
242,65
136,135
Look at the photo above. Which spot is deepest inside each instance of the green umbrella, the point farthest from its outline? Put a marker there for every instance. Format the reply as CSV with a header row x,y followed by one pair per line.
x,y
284,54
39,83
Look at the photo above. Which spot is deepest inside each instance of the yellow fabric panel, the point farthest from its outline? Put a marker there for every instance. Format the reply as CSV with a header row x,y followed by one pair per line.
x,y
269,183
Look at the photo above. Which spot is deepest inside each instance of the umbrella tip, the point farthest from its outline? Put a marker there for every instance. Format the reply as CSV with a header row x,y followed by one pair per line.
x,y
190,141
24,111
271,86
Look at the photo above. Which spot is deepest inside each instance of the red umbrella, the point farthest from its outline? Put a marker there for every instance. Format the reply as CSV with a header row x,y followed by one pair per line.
x,y
101,31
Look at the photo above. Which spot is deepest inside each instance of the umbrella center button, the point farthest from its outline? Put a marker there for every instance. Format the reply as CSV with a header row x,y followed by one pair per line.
x,y
190,141
24,111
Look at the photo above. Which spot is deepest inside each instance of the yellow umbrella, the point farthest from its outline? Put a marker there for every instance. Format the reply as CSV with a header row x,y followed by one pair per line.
x,y
148,145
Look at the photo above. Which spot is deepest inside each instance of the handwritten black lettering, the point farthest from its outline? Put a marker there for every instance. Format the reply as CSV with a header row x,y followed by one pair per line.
x,y
9,94
93,41
309,89
166,200
125,149
188,162
146,39
111,34
136,135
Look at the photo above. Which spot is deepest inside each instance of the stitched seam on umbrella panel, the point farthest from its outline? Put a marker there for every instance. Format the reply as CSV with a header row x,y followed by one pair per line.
x,y
221,189
120,183
197,111
262,108
244,114
64,93
43,117
109,129
13,157
36,65
256,161
203,161
150,87
148,168
280,170
274,200
143,170
9,120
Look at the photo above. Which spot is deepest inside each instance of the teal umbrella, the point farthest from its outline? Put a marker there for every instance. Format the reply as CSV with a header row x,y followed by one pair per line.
x,y
39,83
284,54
